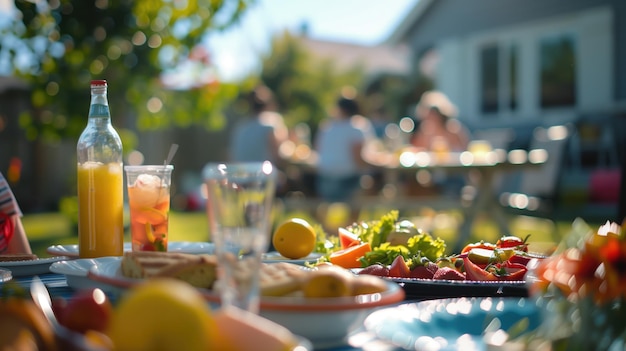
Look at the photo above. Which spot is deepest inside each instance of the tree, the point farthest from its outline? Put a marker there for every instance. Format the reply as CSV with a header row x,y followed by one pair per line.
x,y
60,45
305,86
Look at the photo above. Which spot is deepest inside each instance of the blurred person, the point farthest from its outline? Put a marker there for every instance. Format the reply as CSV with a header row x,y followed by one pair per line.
x,y
259,136
340,144
13,238
439,129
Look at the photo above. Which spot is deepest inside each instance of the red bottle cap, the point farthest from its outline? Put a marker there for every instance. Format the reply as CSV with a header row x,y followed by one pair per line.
x,y
98,82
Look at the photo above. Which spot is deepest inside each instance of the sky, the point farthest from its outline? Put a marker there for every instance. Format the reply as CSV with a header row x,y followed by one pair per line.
x,y
237,51
363,22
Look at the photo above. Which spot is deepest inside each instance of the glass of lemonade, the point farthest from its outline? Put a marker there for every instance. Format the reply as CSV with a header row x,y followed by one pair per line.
x,y
239,206
149,201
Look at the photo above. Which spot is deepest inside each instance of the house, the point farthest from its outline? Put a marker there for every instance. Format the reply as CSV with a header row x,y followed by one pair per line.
x,y
523,64
507,62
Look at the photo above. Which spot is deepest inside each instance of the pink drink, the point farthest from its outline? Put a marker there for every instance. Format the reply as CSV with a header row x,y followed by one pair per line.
x,y
149,202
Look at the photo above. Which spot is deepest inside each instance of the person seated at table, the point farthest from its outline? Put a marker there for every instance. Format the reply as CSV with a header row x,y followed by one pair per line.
x,y
439,129
440,132
339,143
13,238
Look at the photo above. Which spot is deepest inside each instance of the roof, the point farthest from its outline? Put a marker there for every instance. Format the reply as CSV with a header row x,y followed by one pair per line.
x,y
399,35
374,59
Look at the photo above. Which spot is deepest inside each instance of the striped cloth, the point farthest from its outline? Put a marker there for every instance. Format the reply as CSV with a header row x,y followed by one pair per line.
x,y
8,207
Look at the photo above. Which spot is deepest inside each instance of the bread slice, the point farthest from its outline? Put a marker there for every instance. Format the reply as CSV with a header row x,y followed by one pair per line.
x,y
281,278
276,279
198,270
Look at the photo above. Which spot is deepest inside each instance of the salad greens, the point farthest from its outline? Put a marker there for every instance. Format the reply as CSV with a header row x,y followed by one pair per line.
x,y
376,233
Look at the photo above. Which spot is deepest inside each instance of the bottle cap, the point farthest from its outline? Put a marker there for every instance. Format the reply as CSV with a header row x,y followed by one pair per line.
x,y
98,82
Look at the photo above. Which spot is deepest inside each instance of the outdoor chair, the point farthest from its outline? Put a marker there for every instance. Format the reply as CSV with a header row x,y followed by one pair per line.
x,y
536,191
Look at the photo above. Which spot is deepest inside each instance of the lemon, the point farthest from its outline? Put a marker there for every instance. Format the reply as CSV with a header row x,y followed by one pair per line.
x,y
163,314
294,238
329,281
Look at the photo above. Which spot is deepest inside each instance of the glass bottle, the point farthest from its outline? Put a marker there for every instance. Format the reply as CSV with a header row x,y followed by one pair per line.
x,y
100,181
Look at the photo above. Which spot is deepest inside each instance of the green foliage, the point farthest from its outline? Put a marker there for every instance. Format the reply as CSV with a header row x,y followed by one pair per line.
x,y
305,85
129,43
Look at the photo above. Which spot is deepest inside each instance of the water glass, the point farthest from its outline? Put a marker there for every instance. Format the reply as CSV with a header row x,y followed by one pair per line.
x,y
239,206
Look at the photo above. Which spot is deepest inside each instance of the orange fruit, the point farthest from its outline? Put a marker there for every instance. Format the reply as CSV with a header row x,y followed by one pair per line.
x,y
294,238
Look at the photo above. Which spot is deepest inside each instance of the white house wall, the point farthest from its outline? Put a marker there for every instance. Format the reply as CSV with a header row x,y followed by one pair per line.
x,y
458,72
595,54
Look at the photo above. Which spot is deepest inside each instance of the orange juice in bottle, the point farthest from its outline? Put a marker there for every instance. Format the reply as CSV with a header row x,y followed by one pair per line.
x,y
100,181
101,209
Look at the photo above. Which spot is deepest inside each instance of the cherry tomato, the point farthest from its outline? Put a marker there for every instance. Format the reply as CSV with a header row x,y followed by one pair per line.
x,y
87,310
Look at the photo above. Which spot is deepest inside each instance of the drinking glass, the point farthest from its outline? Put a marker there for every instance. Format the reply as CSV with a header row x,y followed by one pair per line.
x,y
149,201
239,206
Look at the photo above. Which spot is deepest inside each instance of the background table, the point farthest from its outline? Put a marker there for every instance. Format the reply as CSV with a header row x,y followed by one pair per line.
x,y
483,168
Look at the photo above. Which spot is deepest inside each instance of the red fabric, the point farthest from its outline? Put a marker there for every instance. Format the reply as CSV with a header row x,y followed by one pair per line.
x,y
6,229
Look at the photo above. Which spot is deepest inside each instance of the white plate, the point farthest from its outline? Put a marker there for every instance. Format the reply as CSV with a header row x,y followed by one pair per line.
x,y
31,267
450,324
274,256
175,246
5,275
75,271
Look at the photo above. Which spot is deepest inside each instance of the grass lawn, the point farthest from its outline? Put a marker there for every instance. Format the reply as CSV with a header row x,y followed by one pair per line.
x,y
49,229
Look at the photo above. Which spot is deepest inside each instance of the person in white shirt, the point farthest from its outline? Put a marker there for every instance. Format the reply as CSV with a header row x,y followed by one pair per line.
x,y
339,144
258,137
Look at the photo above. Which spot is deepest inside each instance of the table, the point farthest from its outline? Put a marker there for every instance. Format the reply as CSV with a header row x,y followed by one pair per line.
x,y
486,165
58,288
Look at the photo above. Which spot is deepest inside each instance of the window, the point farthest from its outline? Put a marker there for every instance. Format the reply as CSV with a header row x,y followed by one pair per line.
x,y
513,77
558,71
489,79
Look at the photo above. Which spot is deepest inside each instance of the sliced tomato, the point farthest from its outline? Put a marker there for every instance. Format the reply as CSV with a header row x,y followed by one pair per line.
x,y
479,245
349,257
512,241
347,238
512,271
475,272
399,268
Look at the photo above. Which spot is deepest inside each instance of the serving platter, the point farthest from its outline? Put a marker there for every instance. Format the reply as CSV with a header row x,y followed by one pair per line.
x,y
425,289
31,267
191,247
451,324
274,256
